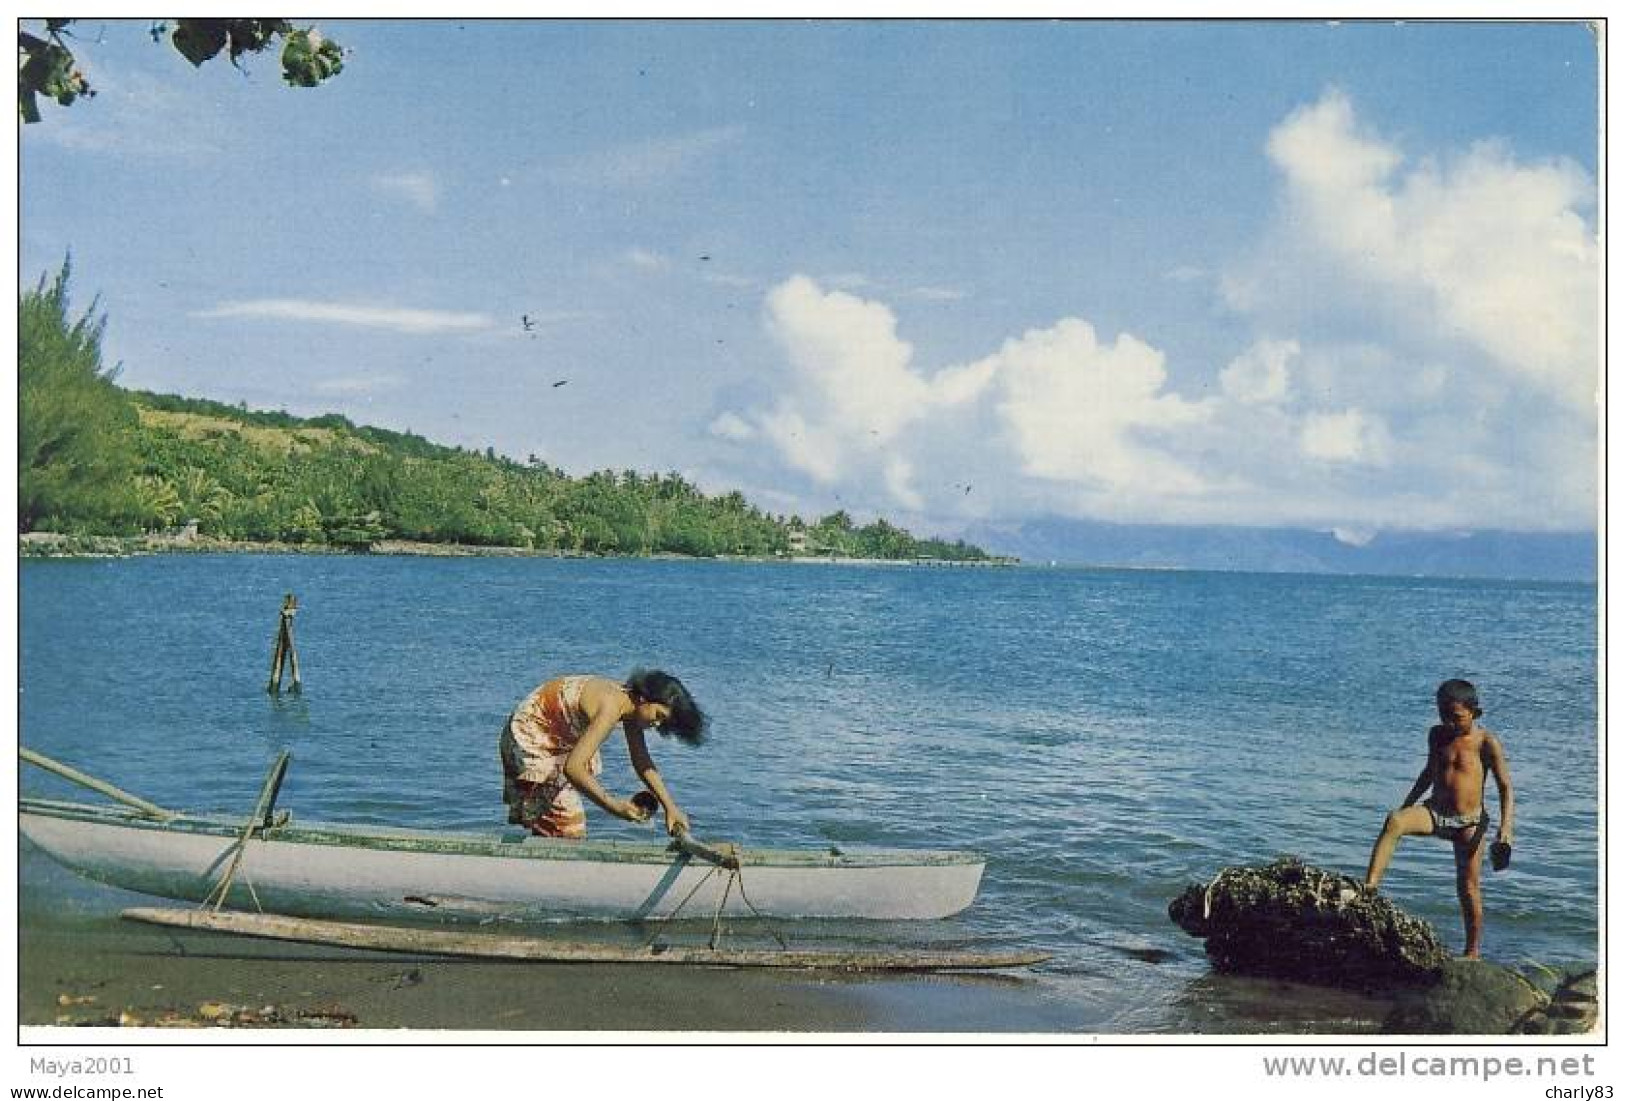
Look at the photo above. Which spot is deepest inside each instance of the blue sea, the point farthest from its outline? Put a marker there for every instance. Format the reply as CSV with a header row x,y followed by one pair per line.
x,y
1106,737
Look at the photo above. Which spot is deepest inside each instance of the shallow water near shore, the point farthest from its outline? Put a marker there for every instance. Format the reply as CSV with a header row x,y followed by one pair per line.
x,y
1105,737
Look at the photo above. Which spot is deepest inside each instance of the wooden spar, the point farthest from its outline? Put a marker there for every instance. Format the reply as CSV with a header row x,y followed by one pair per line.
x,y
260,817
94,784
725,857
449,942
266,806
274,684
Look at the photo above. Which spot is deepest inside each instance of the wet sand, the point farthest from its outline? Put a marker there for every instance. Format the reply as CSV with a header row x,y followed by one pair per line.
x,y
94,972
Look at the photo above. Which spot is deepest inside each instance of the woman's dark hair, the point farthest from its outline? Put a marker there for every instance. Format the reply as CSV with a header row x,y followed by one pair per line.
x,y
1459,691
687,721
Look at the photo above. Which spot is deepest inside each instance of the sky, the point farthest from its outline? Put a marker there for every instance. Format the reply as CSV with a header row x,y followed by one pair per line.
x,y
1336,276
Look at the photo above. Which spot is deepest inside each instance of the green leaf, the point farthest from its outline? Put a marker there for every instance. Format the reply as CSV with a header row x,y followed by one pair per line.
x,y
49,71
308,59
199,39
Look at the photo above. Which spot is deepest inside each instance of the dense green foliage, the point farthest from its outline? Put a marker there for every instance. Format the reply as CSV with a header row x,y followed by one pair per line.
x,y
75,429
47,67
96,459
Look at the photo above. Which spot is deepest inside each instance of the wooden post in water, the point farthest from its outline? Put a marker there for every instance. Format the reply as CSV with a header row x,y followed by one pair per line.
x,y
283,653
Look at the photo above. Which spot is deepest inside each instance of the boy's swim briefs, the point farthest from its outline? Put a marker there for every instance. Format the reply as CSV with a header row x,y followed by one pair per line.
x,y
1452,826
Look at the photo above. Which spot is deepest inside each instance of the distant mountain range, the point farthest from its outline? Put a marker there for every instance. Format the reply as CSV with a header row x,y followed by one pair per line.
x,y
1564,556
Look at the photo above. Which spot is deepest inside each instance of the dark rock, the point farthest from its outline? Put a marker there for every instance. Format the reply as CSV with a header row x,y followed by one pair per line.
x,y
1149,955
1472,997
1573,1008
1294,921
1583,985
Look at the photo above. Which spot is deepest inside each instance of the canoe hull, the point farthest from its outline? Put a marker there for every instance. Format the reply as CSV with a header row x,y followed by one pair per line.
x,y
334,871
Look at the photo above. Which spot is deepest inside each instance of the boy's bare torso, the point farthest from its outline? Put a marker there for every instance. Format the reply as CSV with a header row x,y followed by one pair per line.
x,y
1458,769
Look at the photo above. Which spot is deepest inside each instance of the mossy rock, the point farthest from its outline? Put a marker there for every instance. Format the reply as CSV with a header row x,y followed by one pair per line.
x,y
1291,920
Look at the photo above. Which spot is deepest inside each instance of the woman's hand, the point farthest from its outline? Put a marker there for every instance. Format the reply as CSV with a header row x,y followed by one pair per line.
x,y
676,820
628,810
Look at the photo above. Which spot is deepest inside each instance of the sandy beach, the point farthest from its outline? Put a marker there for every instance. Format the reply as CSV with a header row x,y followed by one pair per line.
x,y
92,974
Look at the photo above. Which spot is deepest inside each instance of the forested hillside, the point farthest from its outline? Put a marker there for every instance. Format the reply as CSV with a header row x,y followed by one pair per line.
x,y
97,459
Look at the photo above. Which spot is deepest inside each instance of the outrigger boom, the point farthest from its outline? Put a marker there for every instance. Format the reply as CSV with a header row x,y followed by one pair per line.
x,y
493,946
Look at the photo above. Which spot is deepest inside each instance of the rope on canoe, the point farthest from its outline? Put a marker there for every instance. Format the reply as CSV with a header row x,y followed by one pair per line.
x,y
216,898
759,915
736,877
664,921
716,919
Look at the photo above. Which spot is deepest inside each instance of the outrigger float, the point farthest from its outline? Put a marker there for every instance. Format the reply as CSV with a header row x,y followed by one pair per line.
x,y
331,884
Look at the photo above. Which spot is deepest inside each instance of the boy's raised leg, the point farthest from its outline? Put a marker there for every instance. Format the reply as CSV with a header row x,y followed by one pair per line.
x,y
1404,822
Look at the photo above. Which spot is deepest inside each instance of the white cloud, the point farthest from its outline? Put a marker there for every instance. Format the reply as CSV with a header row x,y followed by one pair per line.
x,y
420,189
372,317
649,162
899,474
1481,247
647,260
853,391
1418,352
1082,411
809,448
1062,407
855,370
731,426
1259,375
1349,436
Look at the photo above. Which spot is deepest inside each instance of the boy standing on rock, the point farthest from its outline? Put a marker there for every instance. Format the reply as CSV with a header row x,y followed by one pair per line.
x,y
1461,756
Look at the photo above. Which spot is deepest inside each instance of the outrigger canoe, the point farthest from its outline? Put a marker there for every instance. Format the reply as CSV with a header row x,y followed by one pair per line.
x,y
277,865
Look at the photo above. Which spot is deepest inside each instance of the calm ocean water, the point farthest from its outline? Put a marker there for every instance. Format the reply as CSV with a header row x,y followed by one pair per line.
x,y
1105,736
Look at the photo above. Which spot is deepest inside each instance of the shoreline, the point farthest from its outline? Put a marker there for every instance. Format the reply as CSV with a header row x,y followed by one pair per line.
x,y
53,545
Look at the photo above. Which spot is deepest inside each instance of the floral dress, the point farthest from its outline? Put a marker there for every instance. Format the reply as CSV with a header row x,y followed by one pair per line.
x,y
535,743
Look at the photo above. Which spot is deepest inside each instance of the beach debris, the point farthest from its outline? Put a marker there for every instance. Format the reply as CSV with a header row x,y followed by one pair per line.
x,y
66,1000
1292,920
213,1014
327,1017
